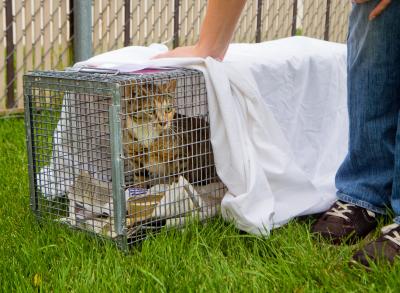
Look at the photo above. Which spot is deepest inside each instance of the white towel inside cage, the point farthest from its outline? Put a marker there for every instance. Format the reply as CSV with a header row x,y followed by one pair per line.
x,y
76,146
278,120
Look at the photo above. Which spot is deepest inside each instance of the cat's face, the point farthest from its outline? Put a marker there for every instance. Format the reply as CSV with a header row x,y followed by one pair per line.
x,y
162,111
151,106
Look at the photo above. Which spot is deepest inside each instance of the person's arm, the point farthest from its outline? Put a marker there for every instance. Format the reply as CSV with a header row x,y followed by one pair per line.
x,y
378,9
216,31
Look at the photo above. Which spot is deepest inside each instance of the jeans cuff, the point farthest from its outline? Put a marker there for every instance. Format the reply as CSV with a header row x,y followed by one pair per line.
x,y
361,203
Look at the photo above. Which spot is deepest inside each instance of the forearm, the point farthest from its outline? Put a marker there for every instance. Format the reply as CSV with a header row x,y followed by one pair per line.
x,y
218,26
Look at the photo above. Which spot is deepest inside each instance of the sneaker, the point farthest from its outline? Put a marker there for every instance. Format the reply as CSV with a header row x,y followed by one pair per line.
x,y
345,222
385,248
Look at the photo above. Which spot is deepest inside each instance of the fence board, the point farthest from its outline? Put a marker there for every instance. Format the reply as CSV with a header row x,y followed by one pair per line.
x,y
268,20
149,8
245,31
114,21
144,28
139,22
46,34
55,31
37,39
119,24
115,24
278,19
339,17
168,19
64,41
314,18
152,21
163,22
57,49
191,16
100,21
284,19
105,26
96,23
133,27
19,52
157,20
2,58
112,26
28,59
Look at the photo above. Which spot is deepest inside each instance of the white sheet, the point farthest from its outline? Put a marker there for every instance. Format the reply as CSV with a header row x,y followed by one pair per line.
x,y
278,123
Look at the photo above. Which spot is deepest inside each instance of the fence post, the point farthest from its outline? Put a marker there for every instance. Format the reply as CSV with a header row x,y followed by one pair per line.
x,y
327,20
10,71
259,18
71,20
294,19
82,30
176,23
127,26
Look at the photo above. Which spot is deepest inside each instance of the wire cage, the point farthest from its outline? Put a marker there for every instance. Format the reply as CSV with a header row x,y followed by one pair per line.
x,y
121,156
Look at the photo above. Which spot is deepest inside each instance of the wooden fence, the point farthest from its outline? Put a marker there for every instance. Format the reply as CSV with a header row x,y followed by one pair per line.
x,y
38,34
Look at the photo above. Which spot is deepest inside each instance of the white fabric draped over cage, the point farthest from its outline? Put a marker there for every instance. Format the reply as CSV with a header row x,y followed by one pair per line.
x,y
278,122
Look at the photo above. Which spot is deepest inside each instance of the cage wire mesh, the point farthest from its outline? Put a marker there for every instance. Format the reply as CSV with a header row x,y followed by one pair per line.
x,y
120,156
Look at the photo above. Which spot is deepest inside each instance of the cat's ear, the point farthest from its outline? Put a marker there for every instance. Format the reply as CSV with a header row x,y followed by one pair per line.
x,y
169,87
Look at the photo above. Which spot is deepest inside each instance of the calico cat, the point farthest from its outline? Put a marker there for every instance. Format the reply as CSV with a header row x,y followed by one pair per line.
x,y
159,143
151,146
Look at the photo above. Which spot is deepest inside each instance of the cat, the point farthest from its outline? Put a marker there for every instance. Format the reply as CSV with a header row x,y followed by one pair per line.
x,y
161,144
151,146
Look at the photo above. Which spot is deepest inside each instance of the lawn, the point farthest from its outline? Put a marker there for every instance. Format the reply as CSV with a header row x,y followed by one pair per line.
x,y
210,258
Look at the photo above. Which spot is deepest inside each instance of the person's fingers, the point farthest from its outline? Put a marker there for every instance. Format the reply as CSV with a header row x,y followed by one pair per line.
x,y
379,9
168,54
383,4
161,55
178,52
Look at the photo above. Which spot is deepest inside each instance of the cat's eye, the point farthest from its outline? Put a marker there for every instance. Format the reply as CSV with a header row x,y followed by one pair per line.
x,y
168,109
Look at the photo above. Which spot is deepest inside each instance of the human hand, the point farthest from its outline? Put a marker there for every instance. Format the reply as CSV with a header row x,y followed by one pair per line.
x,y
187,51
216,31
378,9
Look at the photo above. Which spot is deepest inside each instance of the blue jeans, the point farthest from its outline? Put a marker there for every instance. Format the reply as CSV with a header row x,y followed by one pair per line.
x,y
370,174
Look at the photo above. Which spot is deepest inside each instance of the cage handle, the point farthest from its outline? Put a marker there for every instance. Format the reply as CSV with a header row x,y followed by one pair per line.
x,y
87,69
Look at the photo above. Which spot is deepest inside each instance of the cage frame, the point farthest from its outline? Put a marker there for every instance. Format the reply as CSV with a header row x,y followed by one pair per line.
x,y
113,89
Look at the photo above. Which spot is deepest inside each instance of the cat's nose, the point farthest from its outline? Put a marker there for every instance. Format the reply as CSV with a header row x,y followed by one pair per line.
x,y
163,124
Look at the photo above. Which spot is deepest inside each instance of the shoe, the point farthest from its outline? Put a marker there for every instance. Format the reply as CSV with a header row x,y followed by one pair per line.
x,y
345,223
385,248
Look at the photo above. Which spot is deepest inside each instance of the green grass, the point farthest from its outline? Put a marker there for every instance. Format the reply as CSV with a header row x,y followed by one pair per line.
x,y
206,258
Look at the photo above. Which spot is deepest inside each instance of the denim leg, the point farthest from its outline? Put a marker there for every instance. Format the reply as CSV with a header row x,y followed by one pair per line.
x,y
365,178
395,200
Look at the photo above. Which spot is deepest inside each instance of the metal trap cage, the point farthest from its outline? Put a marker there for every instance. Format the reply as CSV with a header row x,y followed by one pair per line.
x,y
119,155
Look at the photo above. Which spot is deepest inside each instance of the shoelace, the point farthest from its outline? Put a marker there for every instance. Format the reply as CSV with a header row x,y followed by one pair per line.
x,y
344,208
396,236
